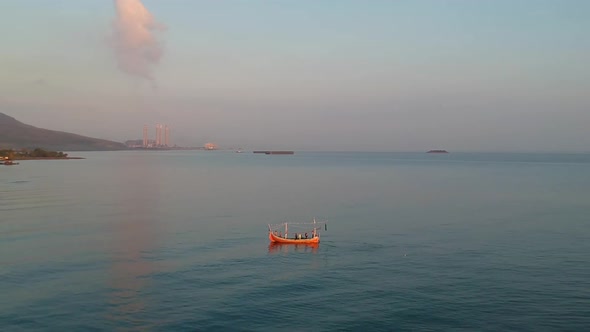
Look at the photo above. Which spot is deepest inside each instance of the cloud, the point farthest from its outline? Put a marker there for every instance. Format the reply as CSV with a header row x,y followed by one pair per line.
x,y
134,41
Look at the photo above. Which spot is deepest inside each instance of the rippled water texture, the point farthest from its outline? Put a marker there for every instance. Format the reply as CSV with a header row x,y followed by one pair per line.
x,y
177,241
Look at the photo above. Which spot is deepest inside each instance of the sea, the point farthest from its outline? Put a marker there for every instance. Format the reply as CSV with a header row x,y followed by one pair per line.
x,y
178,241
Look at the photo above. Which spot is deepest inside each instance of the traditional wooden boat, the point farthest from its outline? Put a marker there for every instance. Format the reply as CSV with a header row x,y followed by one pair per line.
x,y
302,233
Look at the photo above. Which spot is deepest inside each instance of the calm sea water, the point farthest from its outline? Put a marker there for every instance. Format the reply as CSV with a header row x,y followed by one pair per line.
x,y
176,241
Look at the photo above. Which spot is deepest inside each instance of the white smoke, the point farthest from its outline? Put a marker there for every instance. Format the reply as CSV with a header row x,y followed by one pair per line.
x,y
134,38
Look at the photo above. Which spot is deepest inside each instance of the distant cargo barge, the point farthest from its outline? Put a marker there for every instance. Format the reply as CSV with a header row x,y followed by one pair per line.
x,y
275,152
438,151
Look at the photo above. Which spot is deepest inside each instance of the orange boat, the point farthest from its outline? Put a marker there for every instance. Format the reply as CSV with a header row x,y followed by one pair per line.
x,y
275,247
305,233
276,239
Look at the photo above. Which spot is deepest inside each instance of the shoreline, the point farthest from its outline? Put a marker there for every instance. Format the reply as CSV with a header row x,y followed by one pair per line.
x,y
47,158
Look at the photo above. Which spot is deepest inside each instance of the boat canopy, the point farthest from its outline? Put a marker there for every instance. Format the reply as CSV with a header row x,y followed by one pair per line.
x,y
288,232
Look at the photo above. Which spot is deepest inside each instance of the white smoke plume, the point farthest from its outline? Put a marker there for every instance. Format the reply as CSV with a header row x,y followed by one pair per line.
x,y
134,38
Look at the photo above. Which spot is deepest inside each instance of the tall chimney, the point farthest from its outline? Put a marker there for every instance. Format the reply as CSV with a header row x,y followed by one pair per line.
x,y
166,136
157,134
145,136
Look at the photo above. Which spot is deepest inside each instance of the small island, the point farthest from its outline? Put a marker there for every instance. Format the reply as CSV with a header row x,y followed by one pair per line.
x,y
36,154
438,151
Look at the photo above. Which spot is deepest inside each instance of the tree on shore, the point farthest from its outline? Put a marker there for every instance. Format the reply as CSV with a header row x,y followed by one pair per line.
x,y
36,153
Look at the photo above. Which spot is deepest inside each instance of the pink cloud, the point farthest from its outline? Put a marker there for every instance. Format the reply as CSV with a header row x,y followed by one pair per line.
x,y
134,39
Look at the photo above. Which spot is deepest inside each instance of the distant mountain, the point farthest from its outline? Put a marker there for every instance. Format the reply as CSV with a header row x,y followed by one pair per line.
x,y
15,134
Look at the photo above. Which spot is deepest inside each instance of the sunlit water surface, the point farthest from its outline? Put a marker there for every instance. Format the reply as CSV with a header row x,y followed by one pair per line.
x,y
177,240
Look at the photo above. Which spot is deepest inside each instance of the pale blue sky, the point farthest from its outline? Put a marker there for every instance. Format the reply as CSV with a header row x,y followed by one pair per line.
x,y
330,75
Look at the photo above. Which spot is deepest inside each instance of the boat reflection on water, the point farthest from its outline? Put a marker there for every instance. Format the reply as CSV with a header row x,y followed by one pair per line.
x,y
279,248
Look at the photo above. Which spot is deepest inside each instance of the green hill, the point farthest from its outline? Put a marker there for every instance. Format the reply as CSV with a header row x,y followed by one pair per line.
x,y
15,135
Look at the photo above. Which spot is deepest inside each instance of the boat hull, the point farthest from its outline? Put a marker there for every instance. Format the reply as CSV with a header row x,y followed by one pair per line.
x,y
276,239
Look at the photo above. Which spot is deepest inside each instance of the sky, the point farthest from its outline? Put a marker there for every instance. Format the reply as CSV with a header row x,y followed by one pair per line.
x,y
395,75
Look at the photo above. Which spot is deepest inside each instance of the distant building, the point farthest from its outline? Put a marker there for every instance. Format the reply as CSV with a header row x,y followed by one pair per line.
x,y
145,136
158,135
166,135
161,139
134,143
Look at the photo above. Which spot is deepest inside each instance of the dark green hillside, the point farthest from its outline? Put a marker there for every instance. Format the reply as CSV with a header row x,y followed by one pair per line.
x,y
16,135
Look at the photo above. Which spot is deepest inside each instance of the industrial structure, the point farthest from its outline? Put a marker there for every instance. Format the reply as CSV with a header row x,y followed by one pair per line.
x,y
161,140
159,135
166,136
145,135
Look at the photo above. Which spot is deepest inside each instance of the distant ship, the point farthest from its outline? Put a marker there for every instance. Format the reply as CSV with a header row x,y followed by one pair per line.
x,y
438,151
275,152
9,162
